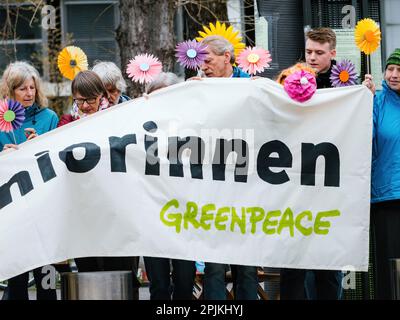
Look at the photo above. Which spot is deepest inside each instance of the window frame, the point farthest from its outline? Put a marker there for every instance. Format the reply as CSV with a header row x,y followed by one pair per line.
x,y
15,42
64,25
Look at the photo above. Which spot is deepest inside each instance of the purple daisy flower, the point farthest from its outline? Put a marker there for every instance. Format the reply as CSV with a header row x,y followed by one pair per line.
x,y
12,115
19,112
191,54
343,74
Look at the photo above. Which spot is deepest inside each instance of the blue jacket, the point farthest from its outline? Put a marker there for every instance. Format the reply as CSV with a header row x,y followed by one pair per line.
x,y
41,119
239,73
386,146
123,98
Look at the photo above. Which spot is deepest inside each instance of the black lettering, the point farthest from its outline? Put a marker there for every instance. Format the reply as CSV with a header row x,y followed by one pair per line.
x,y
222,149
265,162
175,147
45,166
151,147
118,151
23,179
91,159
309,156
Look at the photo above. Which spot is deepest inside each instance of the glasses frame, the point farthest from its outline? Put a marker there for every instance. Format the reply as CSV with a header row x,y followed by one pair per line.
x,y
81,102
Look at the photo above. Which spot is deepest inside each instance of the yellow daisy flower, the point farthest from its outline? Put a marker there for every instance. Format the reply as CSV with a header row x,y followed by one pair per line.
x,y
71,61
220,29
367,35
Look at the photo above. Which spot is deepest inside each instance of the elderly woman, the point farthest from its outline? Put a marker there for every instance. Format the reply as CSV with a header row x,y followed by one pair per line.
x,y
385,190
21,82
113,80
89,94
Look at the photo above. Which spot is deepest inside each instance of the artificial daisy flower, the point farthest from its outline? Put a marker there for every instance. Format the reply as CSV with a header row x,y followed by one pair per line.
x,y
343,74
71,61
12,115
191,54
144,68
300,85
253,60
220,29
367,35
297,67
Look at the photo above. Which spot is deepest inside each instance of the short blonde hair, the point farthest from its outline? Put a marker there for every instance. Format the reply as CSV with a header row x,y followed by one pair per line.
x,y
15,75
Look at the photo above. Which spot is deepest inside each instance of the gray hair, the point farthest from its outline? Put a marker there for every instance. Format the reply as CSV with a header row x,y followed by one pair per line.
x,y
15,75
110,75
219,45
164,79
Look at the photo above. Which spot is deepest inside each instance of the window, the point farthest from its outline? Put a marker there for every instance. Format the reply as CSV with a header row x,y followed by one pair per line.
x,y
20,35
92,24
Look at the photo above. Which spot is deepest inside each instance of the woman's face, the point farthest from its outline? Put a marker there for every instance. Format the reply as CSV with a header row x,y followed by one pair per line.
x,y
26,93
87,105
392,77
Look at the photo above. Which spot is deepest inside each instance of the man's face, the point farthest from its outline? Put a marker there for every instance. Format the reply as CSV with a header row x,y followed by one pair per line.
x,y
319,56
392,77
215,66
113,95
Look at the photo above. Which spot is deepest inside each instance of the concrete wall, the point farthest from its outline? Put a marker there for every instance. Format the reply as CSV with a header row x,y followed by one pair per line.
x,y
392,25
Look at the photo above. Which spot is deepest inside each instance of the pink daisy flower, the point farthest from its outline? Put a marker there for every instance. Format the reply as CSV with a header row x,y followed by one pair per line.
x,y
144,68
12,115
253,60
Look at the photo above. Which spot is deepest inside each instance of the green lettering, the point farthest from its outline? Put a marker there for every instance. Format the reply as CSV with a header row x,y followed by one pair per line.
x,y
268,222
254,217
175,219
241,222
219,219
287,222
303,230
190,215
206,216
319,224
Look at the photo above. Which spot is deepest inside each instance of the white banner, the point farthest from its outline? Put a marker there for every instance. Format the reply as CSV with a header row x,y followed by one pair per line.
x,y
295,193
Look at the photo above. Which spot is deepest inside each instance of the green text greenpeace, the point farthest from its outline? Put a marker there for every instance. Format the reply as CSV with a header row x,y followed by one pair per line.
x,y
209,216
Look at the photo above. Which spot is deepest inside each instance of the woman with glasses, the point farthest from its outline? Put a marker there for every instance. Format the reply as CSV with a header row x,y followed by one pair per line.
x,y
89,96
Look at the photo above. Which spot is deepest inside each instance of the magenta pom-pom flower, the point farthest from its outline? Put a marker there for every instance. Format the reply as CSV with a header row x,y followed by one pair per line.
x,y
12,115
191,54
301,85
343,74
253,60
144,68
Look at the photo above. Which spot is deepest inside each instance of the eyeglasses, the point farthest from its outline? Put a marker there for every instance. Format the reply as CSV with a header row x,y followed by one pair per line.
x,y
90,101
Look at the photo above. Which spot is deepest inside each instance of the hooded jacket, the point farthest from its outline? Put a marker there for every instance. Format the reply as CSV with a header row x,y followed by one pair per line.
x,y
386,146
40,119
